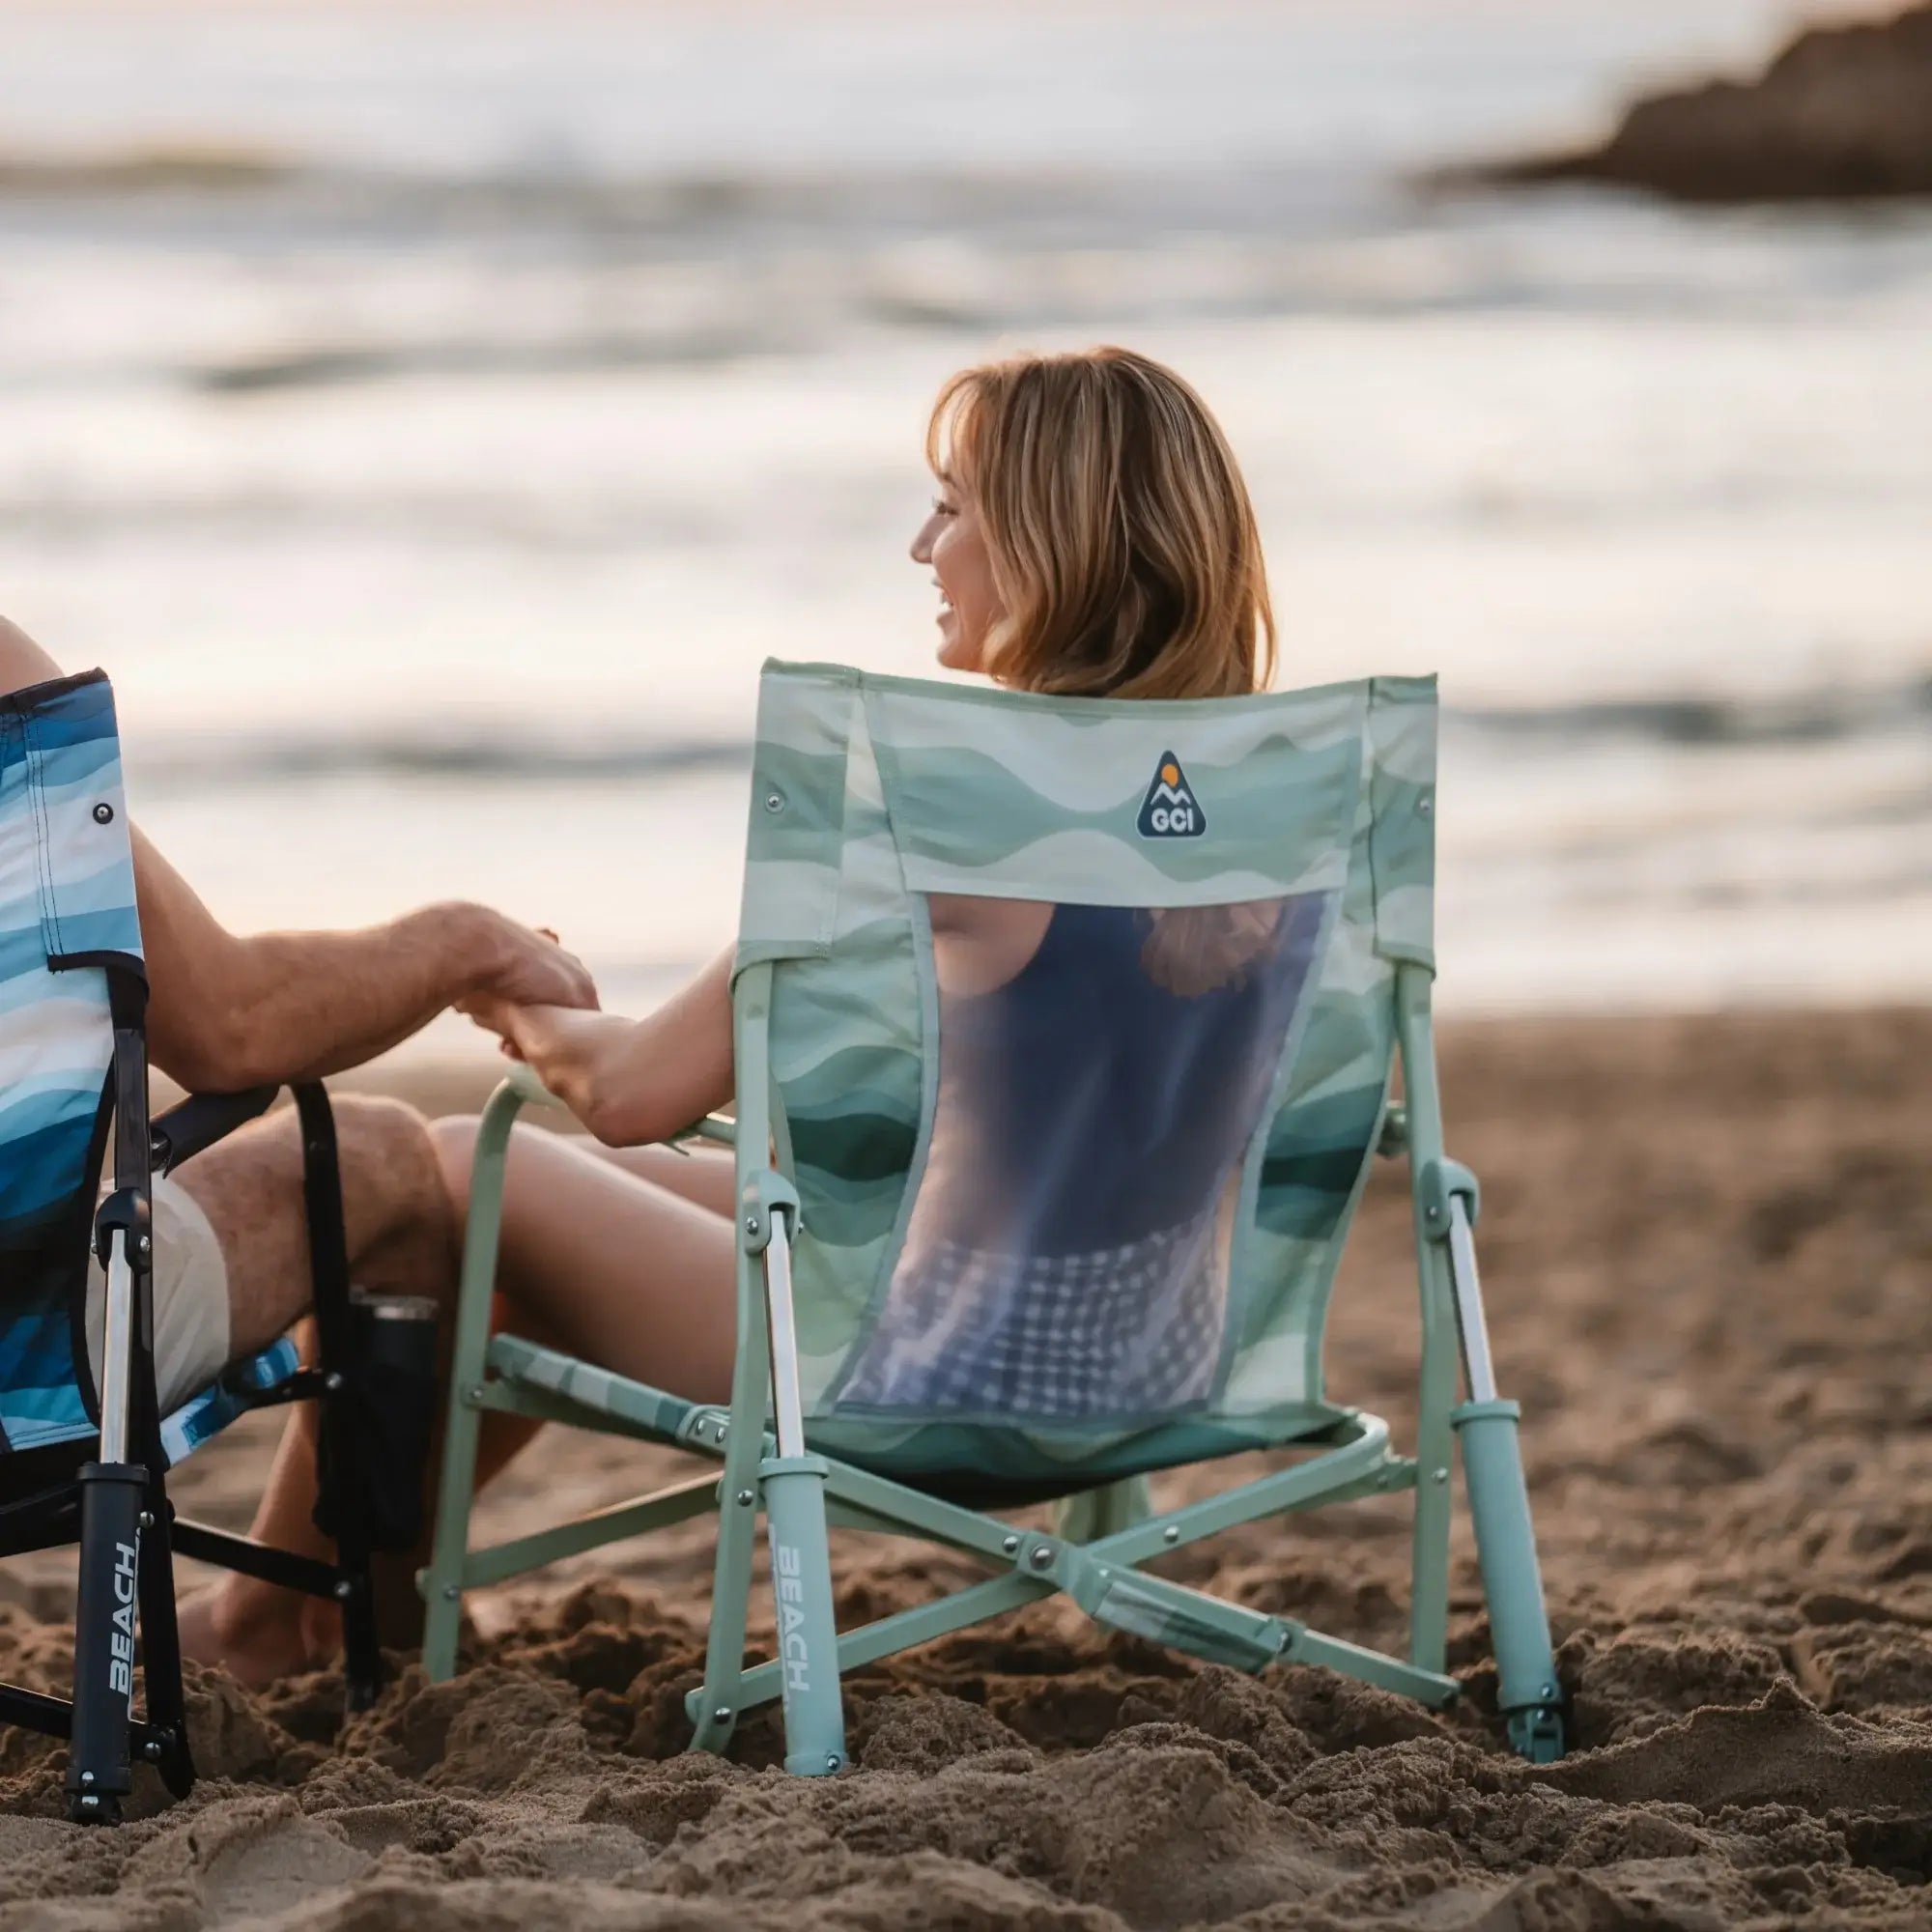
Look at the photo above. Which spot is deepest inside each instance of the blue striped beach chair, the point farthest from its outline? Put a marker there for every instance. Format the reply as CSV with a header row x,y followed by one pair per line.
x,y
78,1464
1031,1237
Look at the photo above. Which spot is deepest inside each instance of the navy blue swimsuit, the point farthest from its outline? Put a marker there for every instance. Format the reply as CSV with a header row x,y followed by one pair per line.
x,y
1104,1107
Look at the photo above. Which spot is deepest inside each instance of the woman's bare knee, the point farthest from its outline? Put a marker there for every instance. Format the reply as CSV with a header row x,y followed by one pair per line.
x,y
454,1138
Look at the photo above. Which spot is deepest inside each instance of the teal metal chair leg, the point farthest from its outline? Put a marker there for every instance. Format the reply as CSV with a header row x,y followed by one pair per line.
x,y
442,1581
717,1708
1428,1601
1527,1691
1446,1201
792,1481
800,1551
808,1632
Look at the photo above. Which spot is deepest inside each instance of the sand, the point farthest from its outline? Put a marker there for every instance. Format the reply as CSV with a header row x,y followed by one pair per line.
x,y
1709,1250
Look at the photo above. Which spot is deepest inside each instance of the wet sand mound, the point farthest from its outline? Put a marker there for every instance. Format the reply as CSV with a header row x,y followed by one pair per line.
x,y
1709,1250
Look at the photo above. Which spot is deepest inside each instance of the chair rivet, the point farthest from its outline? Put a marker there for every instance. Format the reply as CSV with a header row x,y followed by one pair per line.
x,y
775,801
723,1714
87,1778
147,1518
152,1752
1010,1544
144,1244
751,1224
103,813
344,1590
832,1760
473,1393
1425,804
451,1593
332,1381
1438,1475
747,1498
1171,1534
1041,1557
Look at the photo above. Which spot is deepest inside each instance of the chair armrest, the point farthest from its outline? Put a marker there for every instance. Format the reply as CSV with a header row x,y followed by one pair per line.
x,y
201,1120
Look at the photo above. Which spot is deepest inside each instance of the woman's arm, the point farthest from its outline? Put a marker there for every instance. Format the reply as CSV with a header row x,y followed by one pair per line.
x,y
630,1082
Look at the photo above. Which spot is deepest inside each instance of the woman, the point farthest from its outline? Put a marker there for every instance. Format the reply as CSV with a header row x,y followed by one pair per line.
x,y
1090,536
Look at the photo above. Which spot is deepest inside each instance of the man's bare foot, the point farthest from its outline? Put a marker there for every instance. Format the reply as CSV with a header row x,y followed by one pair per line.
x,y
258,1639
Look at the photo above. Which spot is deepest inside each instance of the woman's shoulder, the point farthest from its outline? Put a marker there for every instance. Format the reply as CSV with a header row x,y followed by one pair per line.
x,y
980,945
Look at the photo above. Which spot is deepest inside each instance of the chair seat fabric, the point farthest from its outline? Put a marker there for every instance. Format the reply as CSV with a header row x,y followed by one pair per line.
x,y
206,1416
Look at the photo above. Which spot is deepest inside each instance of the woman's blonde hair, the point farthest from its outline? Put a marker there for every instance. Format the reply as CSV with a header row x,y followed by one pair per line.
x,y
1122,543
1128,564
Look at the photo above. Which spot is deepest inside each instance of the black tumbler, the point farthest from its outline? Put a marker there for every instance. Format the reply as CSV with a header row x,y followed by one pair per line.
x,y
392,1406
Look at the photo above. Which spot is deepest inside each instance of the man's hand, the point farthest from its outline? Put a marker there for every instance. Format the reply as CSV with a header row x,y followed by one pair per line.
x,y
498,1017
522,966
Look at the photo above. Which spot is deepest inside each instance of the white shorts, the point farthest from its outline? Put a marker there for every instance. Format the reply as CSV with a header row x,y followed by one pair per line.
x,y
191,1297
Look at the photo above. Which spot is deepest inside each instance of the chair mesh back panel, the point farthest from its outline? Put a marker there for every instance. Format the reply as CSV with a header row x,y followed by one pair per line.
x,y
1082,1025
67,914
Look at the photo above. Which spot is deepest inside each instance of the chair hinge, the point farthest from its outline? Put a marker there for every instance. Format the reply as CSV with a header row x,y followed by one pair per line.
x,y
1439,1183
764,1195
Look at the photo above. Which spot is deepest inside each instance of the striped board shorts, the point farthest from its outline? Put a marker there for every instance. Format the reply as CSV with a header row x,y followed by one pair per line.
x,y
1125,1331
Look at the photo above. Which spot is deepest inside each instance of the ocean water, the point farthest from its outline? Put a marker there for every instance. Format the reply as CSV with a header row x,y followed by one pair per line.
x,y
433,416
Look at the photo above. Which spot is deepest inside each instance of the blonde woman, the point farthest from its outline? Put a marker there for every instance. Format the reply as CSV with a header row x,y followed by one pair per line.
x,y
1092,536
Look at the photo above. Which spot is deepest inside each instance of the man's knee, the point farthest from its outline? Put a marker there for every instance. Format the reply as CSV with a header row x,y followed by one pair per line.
x,y
380,1124
390,1172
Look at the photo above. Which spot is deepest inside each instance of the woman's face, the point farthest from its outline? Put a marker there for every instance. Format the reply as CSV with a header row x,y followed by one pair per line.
x,y
952,545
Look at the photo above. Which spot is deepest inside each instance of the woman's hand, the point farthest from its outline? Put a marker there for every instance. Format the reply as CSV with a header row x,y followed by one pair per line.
x,y
630,1082
498,1015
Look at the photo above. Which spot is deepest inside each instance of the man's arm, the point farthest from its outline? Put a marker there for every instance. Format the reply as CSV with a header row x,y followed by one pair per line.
x,y
226,1011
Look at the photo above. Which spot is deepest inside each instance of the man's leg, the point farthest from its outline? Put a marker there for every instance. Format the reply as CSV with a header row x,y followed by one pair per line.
x,y
401,1238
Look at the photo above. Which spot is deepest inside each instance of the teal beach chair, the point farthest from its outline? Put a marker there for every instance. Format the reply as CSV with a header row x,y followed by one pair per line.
x,y
1032,1240
87,1465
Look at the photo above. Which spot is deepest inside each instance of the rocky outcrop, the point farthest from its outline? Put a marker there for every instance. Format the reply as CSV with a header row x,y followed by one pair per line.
x,y
1843,113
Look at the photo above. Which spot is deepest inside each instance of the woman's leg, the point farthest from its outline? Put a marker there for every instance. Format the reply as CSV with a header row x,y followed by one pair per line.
x,y
618,1268
706,1175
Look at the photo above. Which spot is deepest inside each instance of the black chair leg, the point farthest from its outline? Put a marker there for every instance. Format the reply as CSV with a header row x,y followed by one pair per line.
x,y
166,1748
343,1447
100,1772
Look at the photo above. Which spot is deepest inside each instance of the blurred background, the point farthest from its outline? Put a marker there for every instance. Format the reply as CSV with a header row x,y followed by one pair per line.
x,y
433,414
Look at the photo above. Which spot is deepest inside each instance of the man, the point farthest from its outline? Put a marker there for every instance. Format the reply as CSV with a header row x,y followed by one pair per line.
x,y
225,1012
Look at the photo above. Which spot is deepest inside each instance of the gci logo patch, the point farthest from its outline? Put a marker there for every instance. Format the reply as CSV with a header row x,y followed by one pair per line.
x,y
1169,810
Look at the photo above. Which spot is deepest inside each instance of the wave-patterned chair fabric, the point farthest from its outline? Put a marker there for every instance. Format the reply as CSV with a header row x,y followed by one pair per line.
x,y
943,1212
67,912
68,920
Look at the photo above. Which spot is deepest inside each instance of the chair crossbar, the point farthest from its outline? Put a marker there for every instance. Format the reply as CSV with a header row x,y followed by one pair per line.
x,y
508,1397
912,1513
601,1391
901,1631
680,1502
